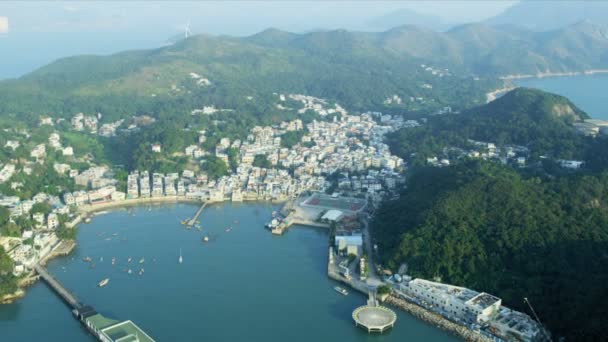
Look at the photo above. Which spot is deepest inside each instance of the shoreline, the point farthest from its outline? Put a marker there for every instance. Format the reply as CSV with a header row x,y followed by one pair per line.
x,y
65,247
555,74
493,95
62,248
417,311
436,319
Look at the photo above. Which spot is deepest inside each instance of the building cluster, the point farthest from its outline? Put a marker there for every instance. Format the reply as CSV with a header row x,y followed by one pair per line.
x,y
592,127
481,311
39,238
312,103
509,154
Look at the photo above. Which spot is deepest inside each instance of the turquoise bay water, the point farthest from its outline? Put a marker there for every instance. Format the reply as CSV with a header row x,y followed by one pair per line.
x,y
243,285
588,92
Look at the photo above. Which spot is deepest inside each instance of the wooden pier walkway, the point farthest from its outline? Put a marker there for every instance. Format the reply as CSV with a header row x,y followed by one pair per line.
x,y
198,213
66,295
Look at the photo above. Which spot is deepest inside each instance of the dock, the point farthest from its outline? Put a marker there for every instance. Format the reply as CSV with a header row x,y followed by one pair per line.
x,y
104,329
191,222
56,286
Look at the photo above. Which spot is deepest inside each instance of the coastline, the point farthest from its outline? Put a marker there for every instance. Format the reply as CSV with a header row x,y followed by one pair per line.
x,y
62,248
94,208
554,74
65,247
493,95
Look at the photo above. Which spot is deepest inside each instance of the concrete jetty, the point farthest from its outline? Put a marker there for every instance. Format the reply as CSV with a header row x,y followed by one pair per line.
x,y
103,328
63,293
191,222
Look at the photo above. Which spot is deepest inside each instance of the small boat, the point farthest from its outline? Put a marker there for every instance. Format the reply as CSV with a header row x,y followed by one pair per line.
x,y
236,222
142,260
113,261
341,290
87,220
115,234
229,229
205,238
129,271
129,260
180,256
101,259
87,259
103,282
108,239
141,272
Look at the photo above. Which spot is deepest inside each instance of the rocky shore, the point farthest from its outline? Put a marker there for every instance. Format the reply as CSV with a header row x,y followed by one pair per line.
x,y
436,319
62,248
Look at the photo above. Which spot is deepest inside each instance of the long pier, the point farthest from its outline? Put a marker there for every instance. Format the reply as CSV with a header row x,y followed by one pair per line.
x,y
66,295
103,328
198,213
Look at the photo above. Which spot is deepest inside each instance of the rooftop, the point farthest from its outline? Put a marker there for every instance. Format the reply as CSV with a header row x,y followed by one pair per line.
x,y
126,331
374,318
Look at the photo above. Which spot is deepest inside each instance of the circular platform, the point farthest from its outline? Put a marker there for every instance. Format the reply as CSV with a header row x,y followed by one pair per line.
x,y
374,318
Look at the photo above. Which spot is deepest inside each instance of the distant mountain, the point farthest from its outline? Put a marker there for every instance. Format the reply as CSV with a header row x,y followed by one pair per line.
x,y
409,17
551,15
358,69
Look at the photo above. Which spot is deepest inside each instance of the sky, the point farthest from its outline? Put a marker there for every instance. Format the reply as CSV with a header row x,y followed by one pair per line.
x,y
34,33
231,17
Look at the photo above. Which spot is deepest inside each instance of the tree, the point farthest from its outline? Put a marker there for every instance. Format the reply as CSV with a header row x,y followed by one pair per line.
x,y
214,167
260,160
42,207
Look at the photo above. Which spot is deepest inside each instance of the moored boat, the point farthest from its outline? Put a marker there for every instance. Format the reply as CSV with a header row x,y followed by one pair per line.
x,y
341,290
103,282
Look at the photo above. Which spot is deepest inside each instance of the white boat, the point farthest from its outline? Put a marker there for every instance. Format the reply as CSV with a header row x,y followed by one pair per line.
x,y
180,256
142,260
129,260
205,238
341,290
129,271
104,282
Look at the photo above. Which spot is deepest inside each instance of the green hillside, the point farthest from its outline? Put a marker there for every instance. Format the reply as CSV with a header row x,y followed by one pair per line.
x,y
486,227
357,69
532,118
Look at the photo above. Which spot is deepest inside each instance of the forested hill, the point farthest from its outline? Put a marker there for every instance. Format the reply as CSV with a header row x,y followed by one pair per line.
x,y
532,118
360,70
485,226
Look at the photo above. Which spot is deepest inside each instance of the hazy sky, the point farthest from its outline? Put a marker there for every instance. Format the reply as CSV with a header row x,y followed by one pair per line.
x,y
35,33
236,17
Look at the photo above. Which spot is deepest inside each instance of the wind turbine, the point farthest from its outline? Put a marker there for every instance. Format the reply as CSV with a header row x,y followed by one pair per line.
x,y
187,32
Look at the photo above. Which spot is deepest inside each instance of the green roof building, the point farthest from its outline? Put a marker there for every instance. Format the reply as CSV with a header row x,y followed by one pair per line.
x,y
109,330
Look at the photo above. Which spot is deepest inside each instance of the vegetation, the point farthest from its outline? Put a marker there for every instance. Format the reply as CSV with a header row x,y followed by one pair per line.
x,y
487,227
260,160
384,289
291,138
215,167
540,121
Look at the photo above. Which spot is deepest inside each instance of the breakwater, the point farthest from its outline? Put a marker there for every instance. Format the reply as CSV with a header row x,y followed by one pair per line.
x,y
436,319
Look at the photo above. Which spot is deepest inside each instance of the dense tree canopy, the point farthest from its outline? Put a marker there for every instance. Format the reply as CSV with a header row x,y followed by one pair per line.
x,y
489,228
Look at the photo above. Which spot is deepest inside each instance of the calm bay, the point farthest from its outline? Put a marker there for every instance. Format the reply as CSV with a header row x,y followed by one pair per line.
x,y
244,284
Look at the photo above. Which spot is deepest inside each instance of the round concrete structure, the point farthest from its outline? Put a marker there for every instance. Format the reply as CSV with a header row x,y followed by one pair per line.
x,y
374,318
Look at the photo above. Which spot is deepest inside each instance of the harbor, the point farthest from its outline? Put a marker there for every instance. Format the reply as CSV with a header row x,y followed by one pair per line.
x,y
211,275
